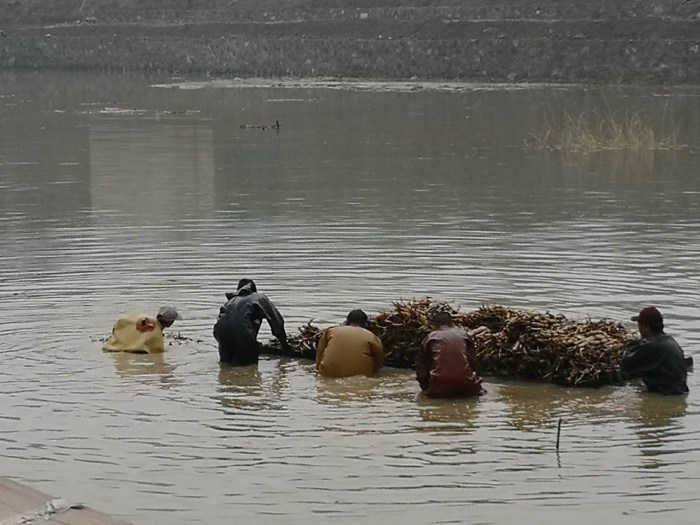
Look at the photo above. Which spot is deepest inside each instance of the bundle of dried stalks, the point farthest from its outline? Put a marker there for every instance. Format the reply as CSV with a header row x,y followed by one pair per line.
x,y
511,343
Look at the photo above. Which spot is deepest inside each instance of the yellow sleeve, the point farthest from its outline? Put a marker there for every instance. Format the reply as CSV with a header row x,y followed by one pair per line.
x,y
321,347
377,352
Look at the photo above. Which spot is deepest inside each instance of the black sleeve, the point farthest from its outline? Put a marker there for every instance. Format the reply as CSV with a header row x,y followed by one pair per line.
x,y
273,317
638,358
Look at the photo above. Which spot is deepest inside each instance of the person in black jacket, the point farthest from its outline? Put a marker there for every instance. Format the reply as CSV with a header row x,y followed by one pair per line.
x,y
657,358
239,321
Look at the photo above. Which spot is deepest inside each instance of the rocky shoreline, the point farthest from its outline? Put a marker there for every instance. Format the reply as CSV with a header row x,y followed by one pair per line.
x,y
520,41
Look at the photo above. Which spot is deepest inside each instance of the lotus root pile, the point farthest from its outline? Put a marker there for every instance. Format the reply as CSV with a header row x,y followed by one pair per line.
x,y
509,343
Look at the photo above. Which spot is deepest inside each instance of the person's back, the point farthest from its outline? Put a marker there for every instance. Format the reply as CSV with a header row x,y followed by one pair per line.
x,y
346,351
140,333
350,349
445,365
137,333
239,322
658,359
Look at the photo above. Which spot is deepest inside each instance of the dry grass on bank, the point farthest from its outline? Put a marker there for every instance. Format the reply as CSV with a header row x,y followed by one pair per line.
x,y
591,132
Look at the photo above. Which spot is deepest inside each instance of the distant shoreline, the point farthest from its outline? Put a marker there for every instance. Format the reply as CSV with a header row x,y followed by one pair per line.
x,y
633,42
382,85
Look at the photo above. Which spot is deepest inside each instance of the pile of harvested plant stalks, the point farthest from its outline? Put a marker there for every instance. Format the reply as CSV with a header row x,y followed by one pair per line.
x,y
509,343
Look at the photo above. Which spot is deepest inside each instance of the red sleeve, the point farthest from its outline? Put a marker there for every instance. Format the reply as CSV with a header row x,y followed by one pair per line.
x,y
424,363
471,352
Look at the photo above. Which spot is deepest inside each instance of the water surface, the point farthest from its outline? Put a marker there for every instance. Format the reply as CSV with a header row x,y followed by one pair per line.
x,y
117,196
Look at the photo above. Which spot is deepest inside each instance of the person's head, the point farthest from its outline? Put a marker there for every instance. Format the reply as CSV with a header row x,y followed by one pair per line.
x,y
167,315
245,287
249,283
649,321
441,319
357,318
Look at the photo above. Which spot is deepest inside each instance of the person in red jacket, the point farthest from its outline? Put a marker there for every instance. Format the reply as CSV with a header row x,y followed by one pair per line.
x,y
446,362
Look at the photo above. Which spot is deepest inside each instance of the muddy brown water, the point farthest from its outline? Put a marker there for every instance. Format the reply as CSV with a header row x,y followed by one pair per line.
x,y
116,195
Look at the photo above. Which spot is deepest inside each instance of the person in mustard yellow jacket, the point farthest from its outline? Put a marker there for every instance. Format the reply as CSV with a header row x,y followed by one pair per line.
x,y
349,350
140,333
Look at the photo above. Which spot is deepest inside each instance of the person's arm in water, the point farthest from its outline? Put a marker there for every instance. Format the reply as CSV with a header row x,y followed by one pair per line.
x,y
471,352
377,350
274,319
424,364
321,347
639,357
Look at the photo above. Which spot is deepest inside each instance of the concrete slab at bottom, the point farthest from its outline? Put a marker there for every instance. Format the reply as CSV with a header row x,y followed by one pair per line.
x,y
22,505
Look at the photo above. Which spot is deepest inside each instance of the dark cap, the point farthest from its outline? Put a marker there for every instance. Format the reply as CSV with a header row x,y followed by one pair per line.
x,y
168,313
649,316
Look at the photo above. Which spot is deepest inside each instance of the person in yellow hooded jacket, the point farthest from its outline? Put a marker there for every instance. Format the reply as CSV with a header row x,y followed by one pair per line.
x,y
349,350
140,333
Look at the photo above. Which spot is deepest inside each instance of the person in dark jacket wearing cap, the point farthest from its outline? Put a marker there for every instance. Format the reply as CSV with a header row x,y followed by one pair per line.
x,y
239,322
657,358
445,365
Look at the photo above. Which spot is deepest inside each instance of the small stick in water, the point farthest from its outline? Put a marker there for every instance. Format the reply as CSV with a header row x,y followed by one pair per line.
x,y
558,433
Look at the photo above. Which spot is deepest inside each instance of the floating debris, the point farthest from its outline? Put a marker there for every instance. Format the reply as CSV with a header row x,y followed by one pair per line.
x,y
122,111
275,126
170,337
183,338
170,112
509,343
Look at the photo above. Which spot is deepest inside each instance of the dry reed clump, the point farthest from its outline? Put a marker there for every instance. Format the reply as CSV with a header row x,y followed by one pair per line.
x,y
591,132
509,343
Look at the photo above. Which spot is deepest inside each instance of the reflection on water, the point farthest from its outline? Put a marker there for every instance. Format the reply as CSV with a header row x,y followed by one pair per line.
x,y
362,198
540,406
448,414
659,412
241,386
147,368
351,391
659,426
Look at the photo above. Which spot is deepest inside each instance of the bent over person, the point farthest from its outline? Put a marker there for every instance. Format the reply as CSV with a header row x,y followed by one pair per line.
x,y
446,362
140,333
350,349
658,359
239,322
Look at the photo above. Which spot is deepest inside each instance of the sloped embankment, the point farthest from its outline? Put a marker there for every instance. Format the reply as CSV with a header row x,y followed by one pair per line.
x,y
638,41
